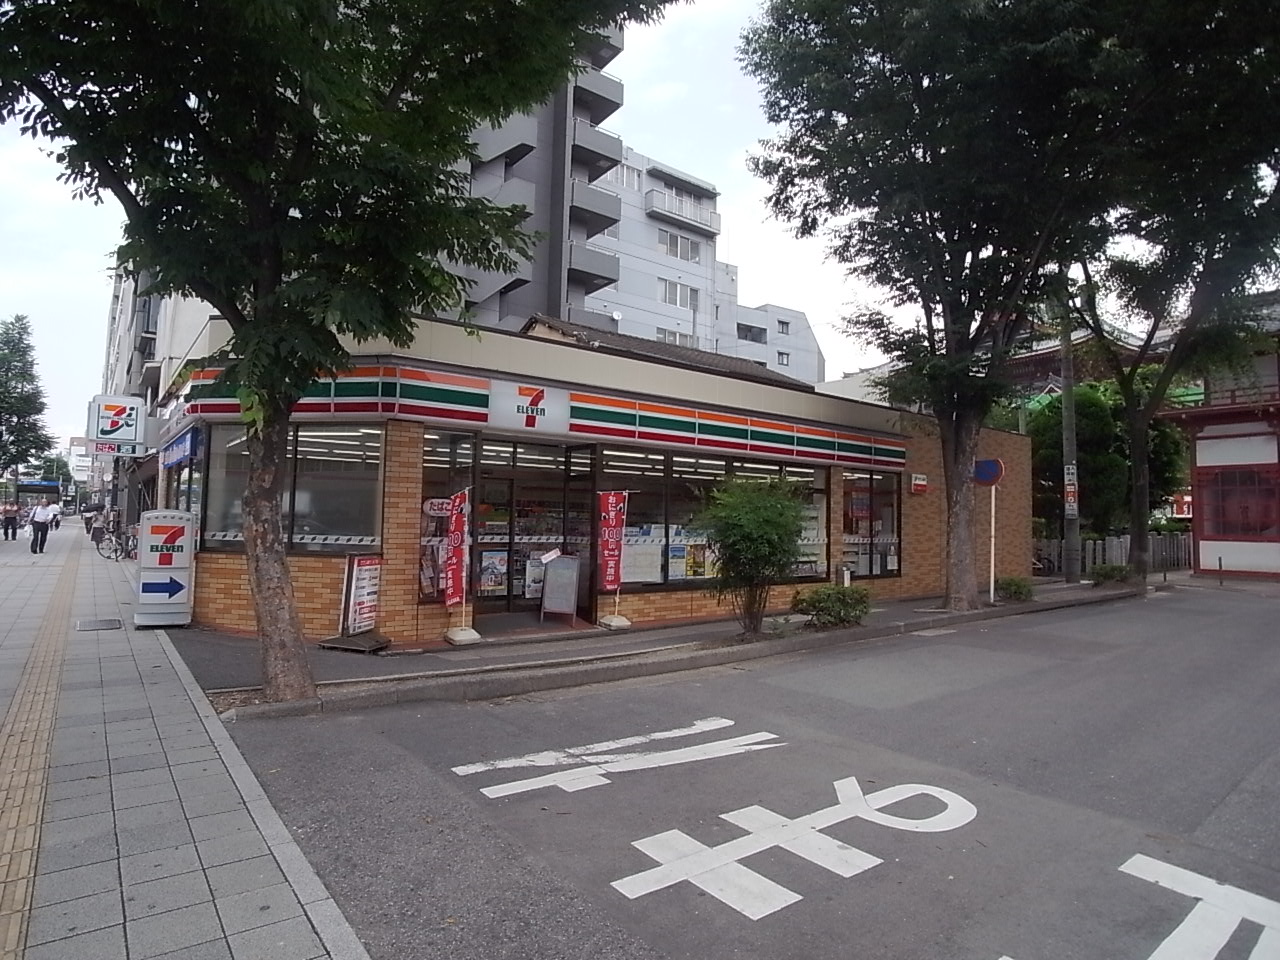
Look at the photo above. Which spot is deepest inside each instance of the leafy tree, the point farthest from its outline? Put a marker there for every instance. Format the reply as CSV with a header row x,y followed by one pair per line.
x,y
949,153
301,166
23,435
54,468
1102,458
754,530
1198,218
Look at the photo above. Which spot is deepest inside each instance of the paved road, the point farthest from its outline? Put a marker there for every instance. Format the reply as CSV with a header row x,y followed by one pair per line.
x,y
1081,780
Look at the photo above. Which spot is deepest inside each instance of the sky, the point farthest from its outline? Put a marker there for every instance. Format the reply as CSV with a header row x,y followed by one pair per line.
x,y
687,104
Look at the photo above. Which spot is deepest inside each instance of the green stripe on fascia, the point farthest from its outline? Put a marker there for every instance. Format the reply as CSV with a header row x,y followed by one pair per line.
x,y
322,389
668,423
357,388
389,388
459,398
892,453
769,436
602,415
861,449
723,430
815,443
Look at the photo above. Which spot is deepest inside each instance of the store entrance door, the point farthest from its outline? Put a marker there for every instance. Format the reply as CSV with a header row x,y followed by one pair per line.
x,y
519,515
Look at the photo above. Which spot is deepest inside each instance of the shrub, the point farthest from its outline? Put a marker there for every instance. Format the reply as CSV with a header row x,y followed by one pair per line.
x,y
833,606
1110,573
753,529
1013,588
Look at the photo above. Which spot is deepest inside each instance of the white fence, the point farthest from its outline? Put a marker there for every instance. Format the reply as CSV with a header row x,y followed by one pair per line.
x,y
1166,551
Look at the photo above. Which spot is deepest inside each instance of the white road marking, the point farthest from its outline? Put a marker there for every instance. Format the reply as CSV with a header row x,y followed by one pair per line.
x,y
1212,921
553,758
582,778
933,632
719,872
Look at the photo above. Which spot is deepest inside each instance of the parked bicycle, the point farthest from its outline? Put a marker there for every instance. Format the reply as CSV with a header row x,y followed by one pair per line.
x,y
118,545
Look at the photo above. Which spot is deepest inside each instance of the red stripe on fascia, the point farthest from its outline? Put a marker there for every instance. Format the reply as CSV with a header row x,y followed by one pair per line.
x,y
814,455
357,406
704,441
769,448
388,406
667,437
213,406
313,406
602,431
444,413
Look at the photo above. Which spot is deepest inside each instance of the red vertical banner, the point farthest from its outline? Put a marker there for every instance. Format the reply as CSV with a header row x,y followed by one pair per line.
x,y
613,517
455,561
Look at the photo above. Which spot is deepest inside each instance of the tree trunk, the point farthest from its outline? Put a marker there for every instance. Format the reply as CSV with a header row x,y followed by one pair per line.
x,y
286,673
1140,498
959,447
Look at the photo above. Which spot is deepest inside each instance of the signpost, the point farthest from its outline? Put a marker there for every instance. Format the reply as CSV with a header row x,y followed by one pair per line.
x,y
165,549
457,549
560,587
364,581
613,521
989,473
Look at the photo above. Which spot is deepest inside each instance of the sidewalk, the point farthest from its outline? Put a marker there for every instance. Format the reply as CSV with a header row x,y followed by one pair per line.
x,y
130,826
229,667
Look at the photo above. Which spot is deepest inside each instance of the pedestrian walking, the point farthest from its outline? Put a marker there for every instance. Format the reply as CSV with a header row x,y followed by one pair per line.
x,y
11,512
98,526
41,517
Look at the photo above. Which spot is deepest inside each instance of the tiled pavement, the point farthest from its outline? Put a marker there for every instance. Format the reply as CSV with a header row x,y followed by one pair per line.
x,y
130,826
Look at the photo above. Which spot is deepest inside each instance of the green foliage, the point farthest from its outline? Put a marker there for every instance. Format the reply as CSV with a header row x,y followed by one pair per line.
x,y
1014,588
1110,573
53,468
831,605
23,435
754,529
1170,525
1102,455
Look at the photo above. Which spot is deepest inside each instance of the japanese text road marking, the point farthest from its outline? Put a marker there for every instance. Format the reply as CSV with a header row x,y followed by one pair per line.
x,y
1212,921
589,763
719,871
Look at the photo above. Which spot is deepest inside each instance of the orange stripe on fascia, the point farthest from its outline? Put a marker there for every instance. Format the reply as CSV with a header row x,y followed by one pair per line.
x,y
723,418
602,401
665,411
435,376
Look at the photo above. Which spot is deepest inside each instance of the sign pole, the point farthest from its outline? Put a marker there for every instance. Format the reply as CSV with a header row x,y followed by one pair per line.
x,y
993,543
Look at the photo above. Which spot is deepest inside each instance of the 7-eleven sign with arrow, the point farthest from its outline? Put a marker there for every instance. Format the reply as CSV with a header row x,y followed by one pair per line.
x,y
164,541
167,542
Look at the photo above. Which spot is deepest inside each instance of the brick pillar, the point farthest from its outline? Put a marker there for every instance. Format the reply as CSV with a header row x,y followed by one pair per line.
x,y
835,522
401,509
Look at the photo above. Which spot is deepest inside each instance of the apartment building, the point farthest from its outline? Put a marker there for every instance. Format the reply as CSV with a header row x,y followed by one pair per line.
x,y
672,288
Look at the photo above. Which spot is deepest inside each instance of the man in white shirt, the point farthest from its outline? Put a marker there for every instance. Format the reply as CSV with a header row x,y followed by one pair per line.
x,y
41,517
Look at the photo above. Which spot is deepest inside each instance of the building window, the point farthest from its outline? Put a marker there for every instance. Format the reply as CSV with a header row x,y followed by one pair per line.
x,y
678,294
676,337
784,326
784,359
1238,502
612,231
755,334
332,494
674,245
872,519
625,175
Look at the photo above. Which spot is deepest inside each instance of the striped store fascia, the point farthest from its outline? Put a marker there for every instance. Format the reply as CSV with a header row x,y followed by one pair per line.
x,y
450,399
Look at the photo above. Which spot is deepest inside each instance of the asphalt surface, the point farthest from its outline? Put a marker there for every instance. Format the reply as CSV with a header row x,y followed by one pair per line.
x,y
1058,747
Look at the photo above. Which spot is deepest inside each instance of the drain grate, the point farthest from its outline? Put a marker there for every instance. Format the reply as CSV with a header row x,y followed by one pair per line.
x,y
112,623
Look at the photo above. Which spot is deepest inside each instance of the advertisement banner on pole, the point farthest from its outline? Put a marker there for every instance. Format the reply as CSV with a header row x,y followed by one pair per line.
x,y
455,563
613,518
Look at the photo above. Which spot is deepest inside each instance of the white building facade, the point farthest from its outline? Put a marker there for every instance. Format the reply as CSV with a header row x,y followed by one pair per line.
x,y
672,288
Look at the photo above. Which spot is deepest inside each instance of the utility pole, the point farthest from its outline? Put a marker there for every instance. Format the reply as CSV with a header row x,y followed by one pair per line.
x,y
1070,477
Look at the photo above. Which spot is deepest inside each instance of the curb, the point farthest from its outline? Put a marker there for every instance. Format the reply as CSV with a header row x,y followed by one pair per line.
x,y
493,682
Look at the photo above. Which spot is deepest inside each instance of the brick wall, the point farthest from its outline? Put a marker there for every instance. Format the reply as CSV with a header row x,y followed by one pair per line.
x,y
401,509
222,599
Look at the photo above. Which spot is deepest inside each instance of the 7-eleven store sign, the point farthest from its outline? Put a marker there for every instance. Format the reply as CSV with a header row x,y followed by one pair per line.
x,y
166,544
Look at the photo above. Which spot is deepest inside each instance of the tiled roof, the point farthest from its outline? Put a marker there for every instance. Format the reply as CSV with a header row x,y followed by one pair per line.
x,y
659,352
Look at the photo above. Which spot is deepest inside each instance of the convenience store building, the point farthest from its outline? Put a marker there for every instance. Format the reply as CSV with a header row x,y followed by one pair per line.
x,y
535,424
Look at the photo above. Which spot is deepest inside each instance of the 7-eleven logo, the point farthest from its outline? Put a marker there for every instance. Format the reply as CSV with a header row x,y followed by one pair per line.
x,y
531,405
168,546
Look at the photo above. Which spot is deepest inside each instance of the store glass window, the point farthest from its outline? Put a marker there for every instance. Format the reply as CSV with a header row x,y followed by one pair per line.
x,y
446,470
331,498
872,512
692,480
812,486
643,475
1239,502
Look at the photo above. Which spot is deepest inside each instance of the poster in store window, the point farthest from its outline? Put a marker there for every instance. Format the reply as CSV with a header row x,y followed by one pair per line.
x,y
677,561
493,572
534,570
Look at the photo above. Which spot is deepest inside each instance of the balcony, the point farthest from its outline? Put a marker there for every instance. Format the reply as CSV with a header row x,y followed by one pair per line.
x,y
599,150
677,210
591,267
514,140
595,208
598,93
608,48
513,192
